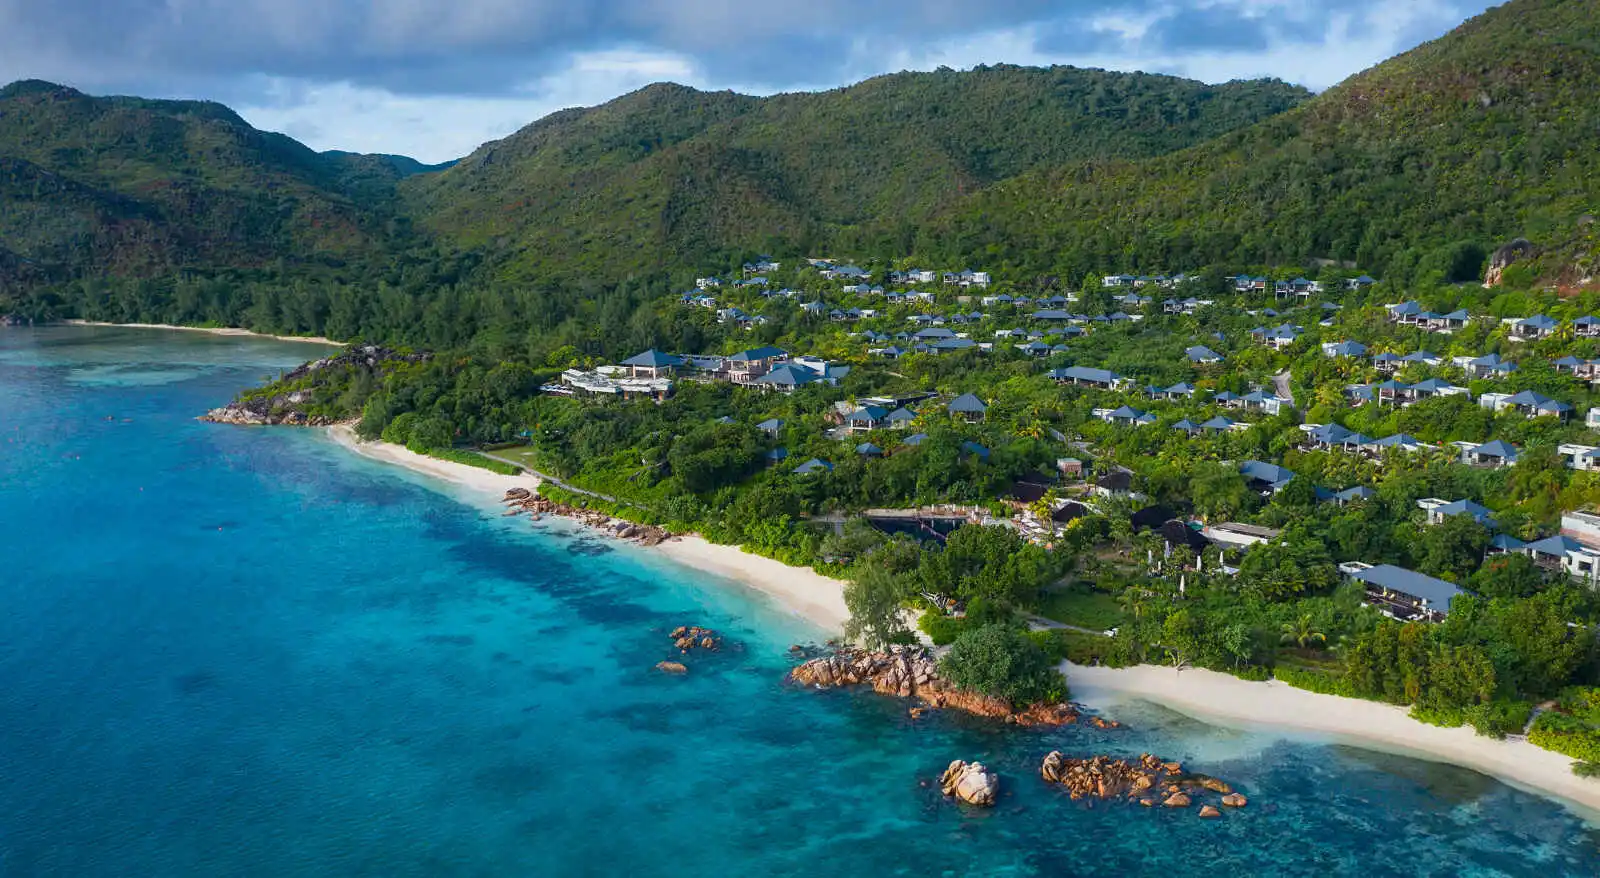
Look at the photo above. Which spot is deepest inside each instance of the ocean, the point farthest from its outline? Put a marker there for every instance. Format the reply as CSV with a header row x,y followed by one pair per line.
x,y
237,652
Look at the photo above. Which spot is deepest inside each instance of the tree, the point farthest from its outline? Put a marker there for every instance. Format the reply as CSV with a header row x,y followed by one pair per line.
x,y
875,598
1302,632
1235,641
1508,576
998,660
1180,634
1453,548
1220,492
856,538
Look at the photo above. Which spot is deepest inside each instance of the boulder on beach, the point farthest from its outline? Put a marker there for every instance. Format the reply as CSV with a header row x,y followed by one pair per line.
x,y
970,782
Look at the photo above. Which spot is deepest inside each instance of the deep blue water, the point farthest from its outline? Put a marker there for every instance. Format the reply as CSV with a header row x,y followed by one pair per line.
x,y
230,651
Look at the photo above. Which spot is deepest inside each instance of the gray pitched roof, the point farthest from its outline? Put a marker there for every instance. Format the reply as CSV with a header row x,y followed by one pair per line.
x,y
1436,592
968,403
761,353
653,359
788,376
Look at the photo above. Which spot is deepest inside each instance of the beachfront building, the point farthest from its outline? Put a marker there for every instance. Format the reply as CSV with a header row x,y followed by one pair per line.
x,y
1403,594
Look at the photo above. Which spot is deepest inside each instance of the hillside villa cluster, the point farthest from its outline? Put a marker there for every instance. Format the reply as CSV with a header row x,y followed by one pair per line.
x,y
1043,326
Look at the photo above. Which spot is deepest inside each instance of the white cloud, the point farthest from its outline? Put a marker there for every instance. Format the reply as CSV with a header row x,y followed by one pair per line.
x,y
436,128
1312,42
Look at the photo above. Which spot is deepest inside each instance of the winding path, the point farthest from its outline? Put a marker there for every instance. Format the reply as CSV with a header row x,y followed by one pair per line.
x,y
542,477
1280,386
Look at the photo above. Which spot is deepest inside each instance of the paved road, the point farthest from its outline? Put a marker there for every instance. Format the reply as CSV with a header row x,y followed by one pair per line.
x,y
1280,386
553,480
1040,623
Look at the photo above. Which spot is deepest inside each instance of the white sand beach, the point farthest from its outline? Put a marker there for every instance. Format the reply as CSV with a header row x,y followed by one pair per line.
x,y
800,590
1205,695
1229,701
210,330
490,485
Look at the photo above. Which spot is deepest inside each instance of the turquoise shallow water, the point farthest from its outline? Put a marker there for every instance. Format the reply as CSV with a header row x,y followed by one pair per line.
x,y
230,652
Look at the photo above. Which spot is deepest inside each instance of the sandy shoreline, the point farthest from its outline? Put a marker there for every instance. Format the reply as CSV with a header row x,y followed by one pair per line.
x,y
1209,696
209,330
1224,700
802,591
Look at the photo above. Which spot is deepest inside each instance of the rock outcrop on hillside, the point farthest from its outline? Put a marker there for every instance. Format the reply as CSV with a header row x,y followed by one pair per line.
x,y
911,672
1502,257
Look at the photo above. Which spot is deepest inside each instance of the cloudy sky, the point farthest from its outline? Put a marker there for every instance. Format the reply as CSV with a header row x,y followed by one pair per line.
x,y
435,78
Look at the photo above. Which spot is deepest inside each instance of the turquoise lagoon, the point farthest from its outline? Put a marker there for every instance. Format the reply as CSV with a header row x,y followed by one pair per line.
x,y
242,652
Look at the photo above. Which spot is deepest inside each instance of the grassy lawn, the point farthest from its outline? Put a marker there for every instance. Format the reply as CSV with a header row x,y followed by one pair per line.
x,y
1095,610
521,454
1309,660
473,458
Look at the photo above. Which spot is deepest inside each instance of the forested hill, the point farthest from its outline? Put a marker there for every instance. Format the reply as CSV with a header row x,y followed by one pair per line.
x,y
1483,135
120,186
668,175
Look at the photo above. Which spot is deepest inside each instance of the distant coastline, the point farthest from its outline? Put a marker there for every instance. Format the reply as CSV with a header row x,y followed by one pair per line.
x,y
229,331
1208,696
804,592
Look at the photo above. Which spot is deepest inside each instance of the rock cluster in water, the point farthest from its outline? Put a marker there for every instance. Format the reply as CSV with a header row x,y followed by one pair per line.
x,y
1149,780
687,637
910,672
520,500
970,782
288,407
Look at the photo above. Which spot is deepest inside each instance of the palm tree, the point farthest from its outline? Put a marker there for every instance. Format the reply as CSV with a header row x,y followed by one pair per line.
x,y
1132,601
1302,632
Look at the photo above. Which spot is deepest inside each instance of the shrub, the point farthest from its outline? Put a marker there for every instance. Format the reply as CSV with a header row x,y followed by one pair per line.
x,y
1449,717
1566,735
1586,769
1314,681
1000,661
941,629
1499,718
1051,643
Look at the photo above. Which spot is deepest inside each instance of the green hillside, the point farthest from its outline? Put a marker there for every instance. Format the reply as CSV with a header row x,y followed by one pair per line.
x,y
131,187
1483,135
669,175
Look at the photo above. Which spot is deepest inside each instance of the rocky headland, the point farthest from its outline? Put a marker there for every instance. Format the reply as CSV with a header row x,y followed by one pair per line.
x,y
911,672
521,500
288,400
1149,780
